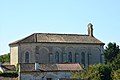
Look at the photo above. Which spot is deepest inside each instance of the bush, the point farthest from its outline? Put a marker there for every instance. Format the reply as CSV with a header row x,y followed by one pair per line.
x,y
10,74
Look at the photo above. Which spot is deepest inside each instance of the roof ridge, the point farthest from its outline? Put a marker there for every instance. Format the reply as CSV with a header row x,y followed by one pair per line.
x,y
59,38
63,34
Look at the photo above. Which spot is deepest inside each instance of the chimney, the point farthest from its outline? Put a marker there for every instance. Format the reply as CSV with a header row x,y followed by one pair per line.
x,y
37,66
90,29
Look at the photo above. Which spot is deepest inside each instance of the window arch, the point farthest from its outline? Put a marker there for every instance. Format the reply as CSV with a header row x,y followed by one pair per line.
x,y
83,58
51,58
27,57
43,56
76,57
57,57
70,57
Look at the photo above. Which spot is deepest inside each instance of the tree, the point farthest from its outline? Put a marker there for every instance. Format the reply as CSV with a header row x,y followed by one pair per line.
x,y
112,56
111,52
5,58
116,63
95,72
88,73
105,72
116,75
108,71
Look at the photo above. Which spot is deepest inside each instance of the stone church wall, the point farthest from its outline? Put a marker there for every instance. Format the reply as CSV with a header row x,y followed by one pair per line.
x,y
44,75
40,52
14,55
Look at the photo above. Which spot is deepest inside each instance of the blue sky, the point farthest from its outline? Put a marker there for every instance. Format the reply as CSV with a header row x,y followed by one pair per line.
x,y
20,18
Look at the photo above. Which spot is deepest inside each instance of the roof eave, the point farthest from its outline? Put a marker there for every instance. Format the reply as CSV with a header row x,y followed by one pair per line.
x,y
57,42
53,71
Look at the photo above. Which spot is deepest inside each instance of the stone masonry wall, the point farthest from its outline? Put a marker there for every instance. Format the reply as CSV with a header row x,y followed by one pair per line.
x,y
40,52
14,55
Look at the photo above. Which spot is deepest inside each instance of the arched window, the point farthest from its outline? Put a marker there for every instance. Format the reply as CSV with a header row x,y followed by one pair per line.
x,y
64,57
76,57
70,57
27,57
43,56
57,57
83,58
51,58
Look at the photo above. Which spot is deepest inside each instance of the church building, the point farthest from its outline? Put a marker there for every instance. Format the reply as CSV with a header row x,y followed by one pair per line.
x,y
51,48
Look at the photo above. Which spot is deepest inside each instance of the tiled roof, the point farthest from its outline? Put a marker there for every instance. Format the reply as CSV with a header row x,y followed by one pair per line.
x,y
27,67
8,67
50,67
59,67
59,38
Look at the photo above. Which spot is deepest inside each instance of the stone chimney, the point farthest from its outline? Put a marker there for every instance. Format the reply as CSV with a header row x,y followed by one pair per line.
x,y
90,29
37,66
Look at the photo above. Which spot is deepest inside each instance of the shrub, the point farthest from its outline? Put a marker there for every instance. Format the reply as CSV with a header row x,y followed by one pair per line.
x,y
10,74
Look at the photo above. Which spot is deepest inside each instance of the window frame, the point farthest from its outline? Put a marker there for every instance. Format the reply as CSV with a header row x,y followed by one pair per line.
x,y
56,57
27,57
51,58
77,60
70,57
83,58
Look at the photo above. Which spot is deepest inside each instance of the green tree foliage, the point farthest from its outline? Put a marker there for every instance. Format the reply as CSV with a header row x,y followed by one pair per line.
x,y
95,72
105,72
8,74
91,73
111,52
108,71
112,55
116,63
116,75
5,58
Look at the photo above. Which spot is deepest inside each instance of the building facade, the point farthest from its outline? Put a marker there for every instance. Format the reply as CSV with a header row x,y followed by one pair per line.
x,y
47,48
48,56
31,71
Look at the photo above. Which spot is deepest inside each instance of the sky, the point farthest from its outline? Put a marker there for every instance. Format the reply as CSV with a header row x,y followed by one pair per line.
x,y
20,18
